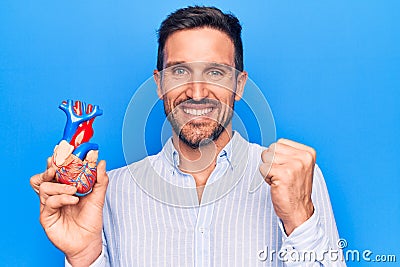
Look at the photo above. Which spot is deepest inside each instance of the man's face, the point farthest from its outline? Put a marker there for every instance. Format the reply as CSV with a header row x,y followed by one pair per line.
x,y
199,109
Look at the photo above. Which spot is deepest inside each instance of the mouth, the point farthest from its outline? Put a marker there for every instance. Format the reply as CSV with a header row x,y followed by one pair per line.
x,y
197,112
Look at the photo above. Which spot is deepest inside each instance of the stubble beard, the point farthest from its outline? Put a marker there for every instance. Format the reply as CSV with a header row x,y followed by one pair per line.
x,y
196,134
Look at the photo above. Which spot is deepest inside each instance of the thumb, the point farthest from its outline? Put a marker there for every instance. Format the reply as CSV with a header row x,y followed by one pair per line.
x,y
102,178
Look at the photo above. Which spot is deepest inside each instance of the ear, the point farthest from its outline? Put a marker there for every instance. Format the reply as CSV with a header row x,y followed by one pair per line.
x,y
241,82
157,79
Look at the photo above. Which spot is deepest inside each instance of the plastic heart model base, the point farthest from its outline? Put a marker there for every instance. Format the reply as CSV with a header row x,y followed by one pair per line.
x,y
74,158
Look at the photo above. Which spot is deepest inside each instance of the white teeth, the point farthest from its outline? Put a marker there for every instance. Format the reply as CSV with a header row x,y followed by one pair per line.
x,y
197,112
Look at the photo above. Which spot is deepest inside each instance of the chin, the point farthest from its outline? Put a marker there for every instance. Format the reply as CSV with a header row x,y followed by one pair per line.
x,y
199,135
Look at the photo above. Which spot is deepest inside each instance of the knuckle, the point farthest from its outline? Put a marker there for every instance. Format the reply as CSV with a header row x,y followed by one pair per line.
x,y
41,219
309,156
42,200
32,181
313,153
266,156
264,153
49,173
43,188
41,191
272,147
298,164
262,169
51,201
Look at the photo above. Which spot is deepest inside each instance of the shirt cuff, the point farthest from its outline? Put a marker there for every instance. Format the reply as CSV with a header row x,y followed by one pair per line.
x,y
309,237
305,236
99,262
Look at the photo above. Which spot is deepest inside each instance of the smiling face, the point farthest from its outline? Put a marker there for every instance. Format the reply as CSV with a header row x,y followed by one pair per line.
x,y
199,101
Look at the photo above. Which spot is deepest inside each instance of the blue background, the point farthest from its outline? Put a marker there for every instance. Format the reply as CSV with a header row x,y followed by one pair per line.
x,y
330,71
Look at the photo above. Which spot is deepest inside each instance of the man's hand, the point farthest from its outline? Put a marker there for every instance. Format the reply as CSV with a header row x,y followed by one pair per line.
x,y
74,225
288,168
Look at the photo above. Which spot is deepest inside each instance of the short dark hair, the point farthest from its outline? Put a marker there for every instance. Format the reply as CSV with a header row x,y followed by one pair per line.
x,y
193,17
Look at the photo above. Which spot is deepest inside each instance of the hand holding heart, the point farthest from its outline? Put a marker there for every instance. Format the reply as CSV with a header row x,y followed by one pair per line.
x,y
72,224
288,168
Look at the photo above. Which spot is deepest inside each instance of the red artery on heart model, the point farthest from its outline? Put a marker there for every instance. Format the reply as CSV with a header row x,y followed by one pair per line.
x,y
74,158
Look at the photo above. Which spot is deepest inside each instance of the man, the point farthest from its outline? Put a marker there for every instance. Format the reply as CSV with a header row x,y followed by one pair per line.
x,y
199,76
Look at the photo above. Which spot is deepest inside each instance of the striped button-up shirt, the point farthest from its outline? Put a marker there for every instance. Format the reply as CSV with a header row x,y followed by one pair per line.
x,y
152,216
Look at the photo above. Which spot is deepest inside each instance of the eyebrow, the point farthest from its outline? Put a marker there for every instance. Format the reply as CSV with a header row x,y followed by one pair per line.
x,y
173,63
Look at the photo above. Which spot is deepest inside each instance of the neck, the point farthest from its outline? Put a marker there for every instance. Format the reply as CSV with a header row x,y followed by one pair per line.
x,y
202,159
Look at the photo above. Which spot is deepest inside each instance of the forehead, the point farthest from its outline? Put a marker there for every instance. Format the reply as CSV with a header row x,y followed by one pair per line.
x,y
200,44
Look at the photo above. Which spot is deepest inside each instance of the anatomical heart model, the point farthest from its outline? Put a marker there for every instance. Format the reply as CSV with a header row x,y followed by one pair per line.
x,y
74,157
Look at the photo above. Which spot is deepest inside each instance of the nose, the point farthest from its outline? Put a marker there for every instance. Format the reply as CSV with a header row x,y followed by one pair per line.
x,y
197,91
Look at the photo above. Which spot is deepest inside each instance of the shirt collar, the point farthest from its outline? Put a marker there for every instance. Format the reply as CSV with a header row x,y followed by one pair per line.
x,y
172,155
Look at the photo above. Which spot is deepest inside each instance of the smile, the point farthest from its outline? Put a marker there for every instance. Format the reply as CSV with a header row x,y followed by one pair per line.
x,y
197,112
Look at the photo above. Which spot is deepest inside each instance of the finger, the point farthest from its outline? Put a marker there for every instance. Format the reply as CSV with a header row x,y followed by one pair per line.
x,y
285,149
277,157
267,155
265,168
40,178
282,148
49,162
276,173
54,203
295,155
291,151
48,189
102,179
267,179
298,146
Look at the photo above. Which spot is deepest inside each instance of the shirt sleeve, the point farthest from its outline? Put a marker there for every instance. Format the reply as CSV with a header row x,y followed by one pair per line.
x,y
315,242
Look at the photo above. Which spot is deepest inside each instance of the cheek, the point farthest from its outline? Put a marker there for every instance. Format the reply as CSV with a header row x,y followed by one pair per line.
x,y
226,110
172,99
227,99
168,100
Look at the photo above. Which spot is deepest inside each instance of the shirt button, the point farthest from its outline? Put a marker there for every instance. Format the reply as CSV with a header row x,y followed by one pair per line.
x,y
201,230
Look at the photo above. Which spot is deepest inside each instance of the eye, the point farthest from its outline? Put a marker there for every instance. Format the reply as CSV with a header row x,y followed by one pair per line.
x,y
179,72
215,74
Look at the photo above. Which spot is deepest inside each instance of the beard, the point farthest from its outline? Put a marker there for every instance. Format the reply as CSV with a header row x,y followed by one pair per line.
x,y
194,133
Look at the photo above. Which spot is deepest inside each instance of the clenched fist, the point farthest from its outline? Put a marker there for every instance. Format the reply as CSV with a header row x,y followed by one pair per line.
x,y
288,167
